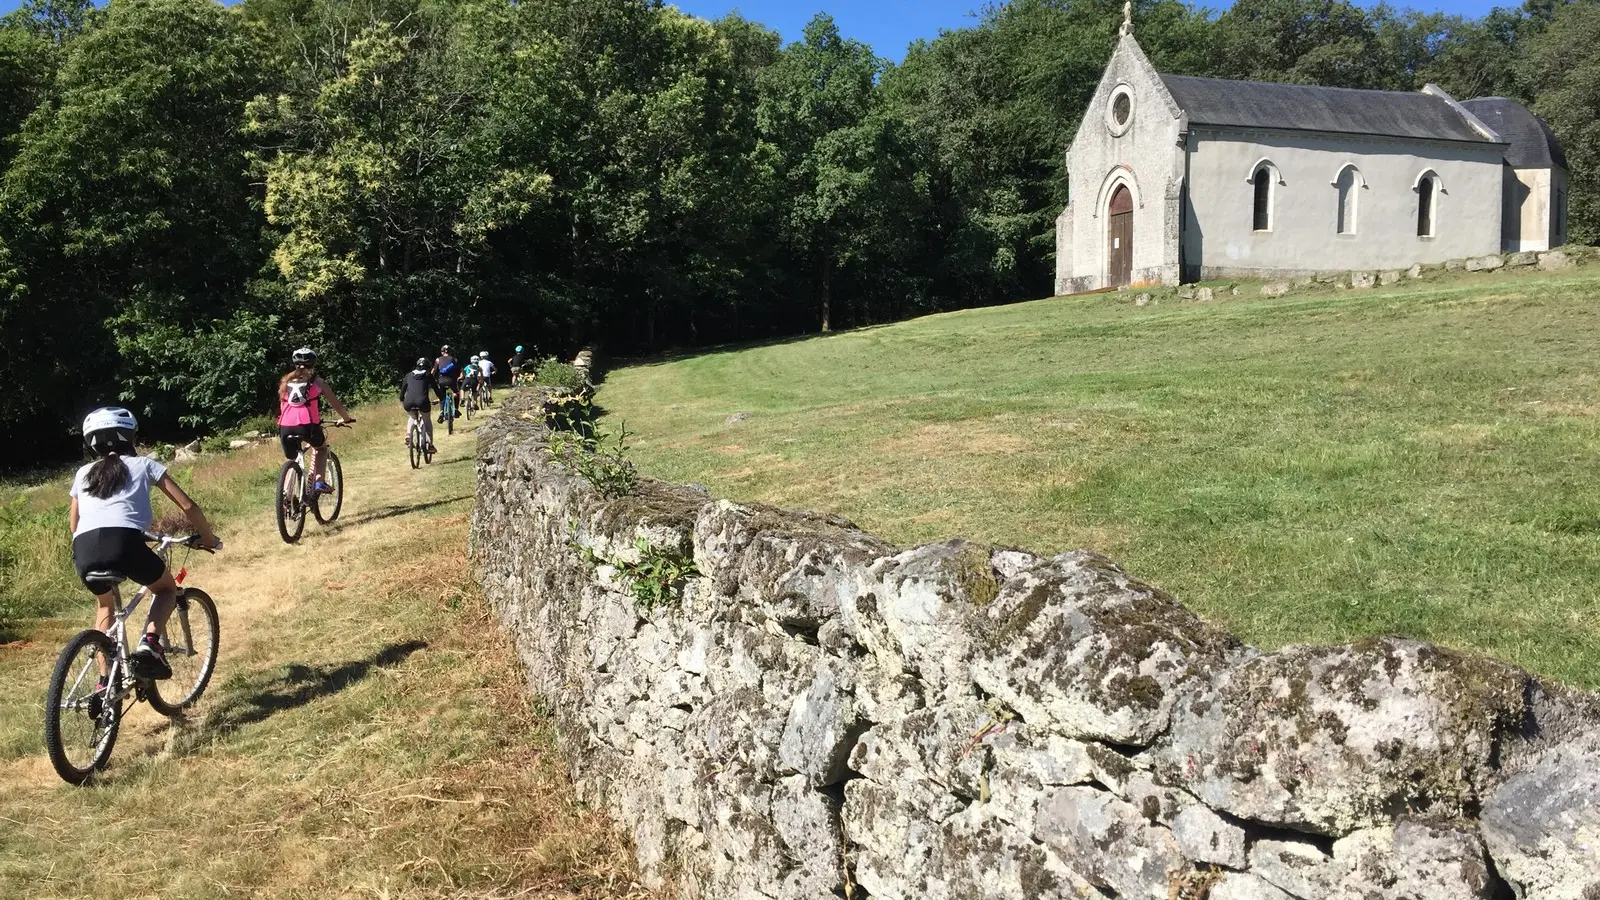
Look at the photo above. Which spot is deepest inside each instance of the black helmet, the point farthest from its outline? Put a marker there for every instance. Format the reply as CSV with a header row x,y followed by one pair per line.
x,y
445,349
422,363
304,357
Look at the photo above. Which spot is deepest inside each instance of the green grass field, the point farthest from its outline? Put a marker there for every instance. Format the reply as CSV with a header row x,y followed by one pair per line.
x,y
1422,460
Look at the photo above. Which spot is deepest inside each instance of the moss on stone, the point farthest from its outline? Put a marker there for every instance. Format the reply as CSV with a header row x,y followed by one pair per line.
x,y
973,573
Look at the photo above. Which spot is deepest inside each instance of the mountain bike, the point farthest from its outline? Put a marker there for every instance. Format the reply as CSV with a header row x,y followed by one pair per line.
x,y
447,410
469,402
81,716
417,440
297,494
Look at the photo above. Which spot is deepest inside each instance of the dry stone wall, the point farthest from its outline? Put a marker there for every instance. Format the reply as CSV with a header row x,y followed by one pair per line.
x,y
823,714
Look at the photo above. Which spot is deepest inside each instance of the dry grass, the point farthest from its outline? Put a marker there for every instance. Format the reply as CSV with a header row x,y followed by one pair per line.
x,y
368,734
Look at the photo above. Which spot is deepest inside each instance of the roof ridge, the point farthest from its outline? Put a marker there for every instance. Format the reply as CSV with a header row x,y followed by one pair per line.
x,y
1295,84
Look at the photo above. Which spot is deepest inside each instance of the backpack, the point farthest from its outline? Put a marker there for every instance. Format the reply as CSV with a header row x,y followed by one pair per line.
x,y
298,393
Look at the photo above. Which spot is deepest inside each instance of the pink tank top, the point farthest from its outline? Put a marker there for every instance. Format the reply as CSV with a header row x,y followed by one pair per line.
x,y
298,405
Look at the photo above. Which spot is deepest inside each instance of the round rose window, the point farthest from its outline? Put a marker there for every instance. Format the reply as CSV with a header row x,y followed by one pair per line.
x,y
1119,112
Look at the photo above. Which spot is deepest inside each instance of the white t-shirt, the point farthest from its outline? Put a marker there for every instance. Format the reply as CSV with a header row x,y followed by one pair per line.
x,y
128,507
486,366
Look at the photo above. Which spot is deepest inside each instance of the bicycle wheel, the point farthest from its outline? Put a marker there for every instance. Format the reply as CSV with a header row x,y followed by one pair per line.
x,y
291,512
449,414
469,404
191,645
78,742
326,506
414,442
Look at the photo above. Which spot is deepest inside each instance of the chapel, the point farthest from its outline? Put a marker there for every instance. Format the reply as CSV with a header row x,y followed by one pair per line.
x,y
1175,179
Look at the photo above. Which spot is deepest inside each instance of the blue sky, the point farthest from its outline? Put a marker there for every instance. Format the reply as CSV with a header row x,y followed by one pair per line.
x,y
890,25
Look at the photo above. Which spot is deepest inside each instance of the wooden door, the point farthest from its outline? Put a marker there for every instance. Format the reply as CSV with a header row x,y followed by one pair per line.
x,y
1119,238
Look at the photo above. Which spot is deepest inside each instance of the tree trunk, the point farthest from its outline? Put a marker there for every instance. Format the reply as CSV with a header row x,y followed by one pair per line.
x,y
827,295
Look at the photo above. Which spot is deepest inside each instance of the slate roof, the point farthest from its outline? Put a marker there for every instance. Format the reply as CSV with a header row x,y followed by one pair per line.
x,y
1533,146
1301,107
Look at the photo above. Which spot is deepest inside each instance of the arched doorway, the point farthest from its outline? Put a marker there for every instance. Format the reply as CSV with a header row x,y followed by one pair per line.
x,y
1119,237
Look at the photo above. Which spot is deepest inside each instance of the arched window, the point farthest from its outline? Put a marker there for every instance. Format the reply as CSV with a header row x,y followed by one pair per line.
x,y
1427,204
1262,182
1349,185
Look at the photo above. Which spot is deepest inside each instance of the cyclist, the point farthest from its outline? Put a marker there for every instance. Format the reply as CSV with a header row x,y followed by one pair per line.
x,y
300,413
471,378
487,365
414,396
109,516
517,362
447,377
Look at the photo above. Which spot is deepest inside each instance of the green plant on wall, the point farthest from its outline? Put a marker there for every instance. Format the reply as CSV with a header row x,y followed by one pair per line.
x,y
598,454
656,579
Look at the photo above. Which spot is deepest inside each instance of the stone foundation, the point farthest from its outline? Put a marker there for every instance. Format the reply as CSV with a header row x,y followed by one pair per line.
x,y
823,714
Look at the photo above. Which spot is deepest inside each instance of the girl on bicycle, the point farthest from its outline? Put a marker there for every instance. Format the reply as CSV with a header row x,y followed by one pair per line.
x,y
300,392
109,517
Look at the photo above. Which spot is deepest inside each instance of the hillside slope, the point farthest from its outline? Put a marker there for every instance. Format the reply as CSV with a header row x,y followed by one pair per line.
x,y
1417,460
367,733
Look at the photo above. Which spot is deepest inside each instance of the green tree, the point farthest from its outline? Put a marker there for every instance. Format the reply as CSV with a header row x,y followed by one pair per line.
x,y
1563,73
128,207
1325,42
815,109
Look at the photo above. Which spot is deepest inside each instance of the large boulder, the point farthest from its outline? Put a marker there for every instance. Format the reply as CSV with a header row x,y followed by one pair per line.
x,y
1078,647
1554,261
1331,739
1415,860
1110,842
1543,824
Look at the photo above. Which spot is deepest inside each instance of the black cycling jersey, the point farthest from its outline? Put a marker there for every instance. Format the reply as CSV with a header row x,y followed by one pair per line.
x,y
414,391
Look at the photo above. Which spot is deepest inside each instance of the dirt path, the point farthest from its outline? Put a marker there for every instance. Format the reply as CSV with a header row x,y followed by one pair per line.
x,y
366,734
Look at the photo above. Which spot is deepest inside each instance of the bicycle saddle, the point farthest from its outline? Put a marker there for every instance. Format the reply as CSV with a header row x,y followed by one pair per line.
x,y
102,580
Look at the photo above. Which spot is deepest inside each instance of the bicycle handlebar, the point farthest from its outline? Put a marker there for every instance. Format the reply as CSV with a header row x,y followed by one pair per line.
x,y
192,541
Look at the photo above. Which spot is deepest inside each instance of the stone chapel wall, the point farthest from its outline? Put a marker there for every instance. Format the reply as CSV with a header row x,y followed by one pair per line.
x,y
824,715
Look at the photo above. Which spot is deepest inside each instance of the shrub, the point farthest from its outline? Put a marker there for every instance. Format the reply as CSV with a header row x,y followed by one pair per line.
x,y
557,374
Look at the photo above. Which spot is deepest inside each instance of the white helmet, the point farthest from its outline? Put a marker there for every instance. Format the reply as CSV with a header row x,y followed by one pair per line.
x,y
474,359
107,427
109,417
483,354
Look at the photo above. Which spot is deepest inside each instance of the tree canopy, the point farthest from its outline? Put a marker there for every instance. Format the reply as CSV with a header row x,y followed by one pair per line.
x,y
189,191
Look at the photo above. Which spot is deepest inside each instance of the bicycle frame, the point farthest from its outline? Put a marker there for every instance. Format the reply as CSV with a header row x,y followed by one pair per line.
x,y
118,674
308,485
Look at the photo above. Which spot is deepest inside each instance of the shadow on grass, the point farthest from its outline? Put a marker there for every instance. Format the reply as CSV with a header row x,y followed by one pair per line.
x,y
391,511
297,685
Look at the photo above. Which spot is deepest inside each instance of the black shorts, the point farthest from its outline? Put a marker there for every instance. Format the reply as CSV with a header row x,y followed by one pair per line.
x,y
292,436
120,550
424,406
